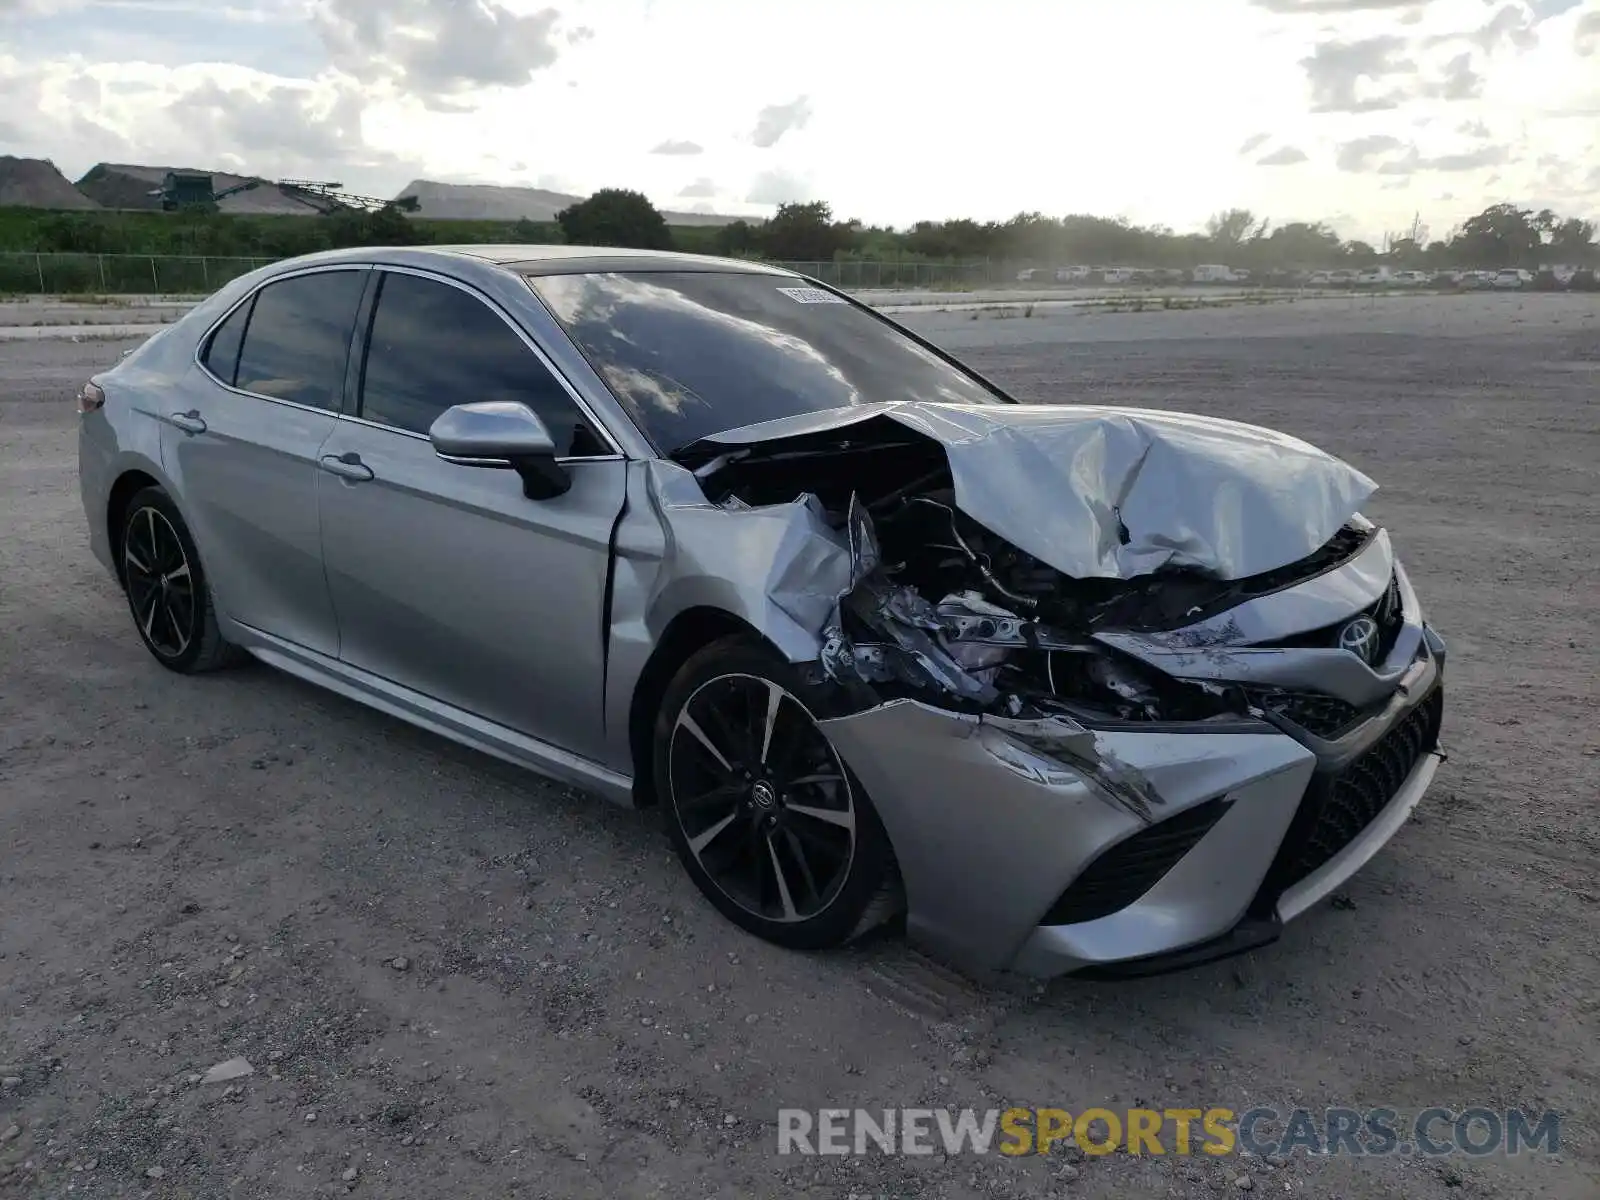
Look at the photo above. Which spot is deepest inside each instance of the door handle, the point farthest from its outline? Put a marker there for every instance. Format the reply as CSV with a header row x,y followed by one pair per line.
x,y
189,422
346,466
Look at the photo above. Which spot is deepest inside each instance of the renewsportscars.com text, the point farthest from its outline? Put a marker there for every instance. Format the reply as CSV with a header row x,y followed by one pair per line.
x,y
1213,1131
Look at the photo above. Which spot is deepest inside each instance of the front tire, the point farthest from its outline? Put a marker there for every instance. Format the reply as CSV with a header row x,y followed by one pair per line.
x,y
769,822
167,590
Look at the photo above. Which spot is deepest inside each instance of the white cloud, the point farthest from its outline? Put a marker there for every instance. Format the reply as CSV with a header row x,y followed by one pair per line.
x,y
437,48
511,91
678,148
775,120
1284,156
780,187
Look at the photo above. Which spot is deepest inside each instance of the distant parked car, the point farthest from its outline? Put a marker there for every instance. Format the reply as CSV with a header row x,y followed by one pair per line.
x,y
1411,278
1119,275
1512,277
1071,274
1028,275
1554,279
1375,277
1214,273
1319,279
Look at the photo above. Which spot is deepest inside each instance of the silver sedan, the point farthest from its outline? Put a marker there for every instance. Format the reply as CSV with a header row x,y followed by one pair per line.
x,y
1068,688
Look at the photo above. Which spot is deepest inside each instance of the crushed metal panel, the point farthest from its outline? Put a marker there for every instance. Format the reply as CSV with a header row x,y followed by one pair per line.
x,y
912,653
779,566
1081,750
1109,493
1105,492
1324,600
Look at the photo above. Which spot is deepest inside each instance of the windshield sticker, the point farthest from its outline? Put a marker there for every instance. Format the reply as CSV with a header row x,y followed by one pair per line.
x,y
810,295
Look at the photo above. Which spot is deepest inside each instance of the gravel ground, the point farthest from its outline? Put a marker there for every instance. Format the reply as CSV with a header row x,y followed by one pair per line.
x,y
453,979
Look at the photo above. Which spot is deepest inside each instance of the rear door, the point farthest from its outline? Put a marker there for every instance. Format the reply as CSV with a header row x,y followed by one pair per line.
x,y
446,579
244,458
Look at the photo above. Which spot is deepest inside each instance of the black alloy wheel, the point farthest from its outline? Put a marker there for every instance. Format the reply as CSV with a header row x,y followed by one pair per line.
x,y
166,586
765,815
763,799
160,583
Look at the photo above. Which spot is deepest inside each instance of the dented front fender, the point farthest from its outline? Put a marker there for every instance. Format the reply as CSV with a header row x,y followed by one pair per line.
x,y
992,818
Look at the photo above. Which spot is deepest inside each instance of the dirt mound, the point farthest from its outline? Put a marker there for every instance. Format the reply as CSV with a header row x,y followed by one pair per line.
x,y
491,202
35,183
485,202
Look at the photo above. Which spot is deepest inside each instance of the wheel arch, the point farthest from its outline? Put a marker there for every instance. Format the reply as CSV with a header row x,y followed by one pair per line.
x,y
128,485
685,635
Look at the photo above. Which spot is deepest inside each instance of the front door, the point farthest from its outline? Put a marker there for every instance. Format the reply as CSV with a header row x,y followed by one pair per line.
x,y
446,579
242,447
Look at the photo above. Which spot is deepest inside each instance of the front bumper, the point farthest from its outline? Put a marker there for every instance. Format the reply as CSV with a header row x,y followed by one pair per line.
x,y
1027,852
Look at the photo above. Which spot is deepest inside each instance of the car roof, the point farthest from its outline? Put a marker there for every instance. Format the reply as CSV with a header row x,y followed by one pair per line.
x,y
541,260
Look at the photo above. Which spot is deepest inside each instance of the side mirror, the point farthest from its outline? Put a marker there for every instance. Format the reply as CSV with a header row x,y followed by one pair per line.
x,y
503,434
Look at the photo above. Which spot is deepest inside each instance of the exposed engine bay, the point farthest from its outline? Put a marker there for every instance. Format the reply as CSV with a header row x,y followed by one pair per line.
x,y
944,609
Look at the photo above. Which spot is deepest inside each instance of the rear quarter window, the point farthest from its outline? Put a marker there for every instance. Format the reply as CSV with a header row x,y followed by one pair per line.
x,y
221,354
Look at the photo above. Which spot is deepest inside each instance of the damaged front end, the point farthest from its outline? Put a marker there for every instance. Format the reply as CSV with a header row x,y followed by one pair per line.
x,y
1055,709
942,608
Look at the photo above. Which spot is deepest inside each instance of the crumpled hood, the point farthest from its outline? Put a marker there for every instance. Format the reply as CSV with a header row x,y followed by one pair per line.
x,y
1106,492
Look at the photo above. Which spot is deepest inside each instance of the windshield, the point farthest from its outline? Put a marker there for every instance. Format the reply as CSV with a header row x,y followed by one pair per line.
x,y
694,353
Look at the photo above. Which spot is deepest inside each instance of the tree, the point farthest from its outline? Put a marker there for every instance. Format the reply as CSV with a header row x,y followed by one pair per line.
x,y
1300,244
387,226
615,217
1233,227
1405,252
958,239
1502,235
735,239
804,233
1572,241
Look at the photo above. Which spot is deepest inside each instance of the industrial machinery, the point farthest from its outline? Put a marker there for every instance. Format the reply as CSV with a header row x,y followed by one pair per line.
x,y
197,189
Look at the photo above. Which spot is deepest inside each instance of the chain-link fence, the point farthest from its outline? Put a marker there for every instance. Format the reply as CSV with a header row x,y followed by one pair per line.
x,y
855,274
68,274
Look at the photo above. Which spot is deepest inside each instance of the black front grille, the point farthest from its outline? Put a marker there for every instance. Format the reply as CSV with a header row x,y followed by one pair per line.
x,y
1389,613
1339,805
1325,716
1132,867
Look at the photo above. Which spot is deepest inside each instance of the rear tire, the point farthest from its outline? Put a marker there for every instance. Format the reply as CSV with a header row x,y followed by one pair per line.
x,y
769,822
166,586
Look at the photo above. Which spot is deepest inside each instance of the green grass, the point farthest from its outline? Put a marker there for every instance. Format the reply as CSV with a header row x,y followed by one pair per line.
x,y
120,252
229,235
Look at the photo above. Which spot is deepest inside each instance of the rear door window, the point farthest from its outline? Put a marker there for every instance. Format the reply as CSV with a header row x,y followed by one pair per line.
x,y
222,351
433,346
298,339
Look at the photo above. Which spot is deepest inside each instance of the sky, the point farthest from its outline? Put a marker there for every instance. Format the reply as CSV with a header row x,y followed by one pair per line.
x,y
1363,113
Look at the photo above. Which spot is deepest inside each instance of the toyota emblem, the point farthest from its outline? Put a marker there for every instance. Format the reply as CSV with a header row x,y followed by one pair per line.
x,y
1360,637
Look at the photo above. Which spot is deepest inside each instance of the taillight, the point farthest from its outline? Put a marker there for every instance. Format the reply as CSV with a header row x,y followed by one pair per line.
x,y
90,397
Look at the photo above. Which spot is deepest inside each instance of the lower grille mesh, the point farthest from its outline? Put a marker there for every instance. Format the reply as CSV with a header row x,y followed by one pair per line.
x,y
1338,806
1132,867
1325,716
